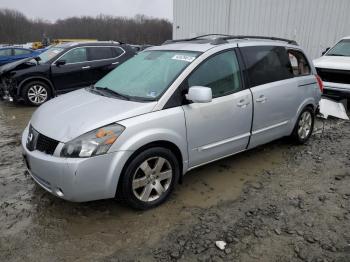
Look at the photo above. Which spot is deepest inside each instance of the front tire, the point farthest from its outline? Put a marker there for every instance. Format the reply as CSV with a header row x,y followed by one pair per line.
x,y
304,126
36,93
149,178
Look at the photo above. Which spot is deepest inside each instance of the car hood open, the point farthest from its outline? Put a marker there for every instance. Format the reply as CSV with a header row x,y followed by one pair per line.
x,y
11,66
69,116
333,62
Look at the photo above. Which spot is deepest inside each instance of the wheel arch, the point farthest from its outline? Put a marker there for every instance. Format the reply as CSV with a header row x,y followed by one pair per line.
x,y
308,103
159,143
32,79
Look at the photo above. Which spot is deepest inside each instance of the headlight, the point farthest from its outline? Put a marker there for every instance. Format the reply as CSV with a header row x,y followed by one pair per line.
x,y
96,142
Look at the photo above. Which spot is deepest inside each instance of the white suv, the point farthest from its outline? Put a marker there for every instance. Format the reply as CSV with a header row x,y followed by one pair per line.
x,y
334,69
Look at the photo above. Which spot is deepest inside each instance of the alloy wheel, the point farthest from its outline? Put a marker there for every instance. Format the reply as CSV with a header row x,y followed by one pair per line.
x,y
152,179
37,94
305,124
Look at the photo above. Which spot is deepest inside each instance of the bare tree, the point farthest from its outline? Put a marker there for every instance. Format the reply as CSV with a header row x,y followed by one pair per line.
x,y
15,27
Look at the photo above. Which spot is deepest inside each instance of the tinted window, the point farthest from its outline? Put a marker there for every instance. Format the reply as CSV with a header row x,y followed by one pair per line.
x,y
98,53
266,64
300,65
22,52
75,55
5,52
220,73
117,51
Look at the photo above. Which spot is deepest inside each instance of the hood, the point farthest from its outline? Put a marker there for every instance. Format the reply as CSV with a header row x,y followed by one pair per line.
x,y
10,66
69,116
333,62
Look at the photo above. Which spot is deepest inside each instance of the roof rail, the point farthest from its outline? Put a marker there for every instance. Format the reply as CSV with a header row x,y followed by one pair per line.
x,y
193,38
292,42
222,39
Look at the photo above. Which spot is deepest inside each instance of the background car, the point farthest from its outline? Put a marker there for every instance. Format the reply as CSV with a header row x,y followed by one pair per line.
x,y
11,54
60,69
334,69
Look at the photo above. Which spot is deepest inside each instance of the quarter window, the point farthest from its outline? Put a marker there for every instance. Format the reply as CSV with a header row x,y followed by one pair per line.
x,y
22,52
300,65
221,73
117,51
266,64
76,55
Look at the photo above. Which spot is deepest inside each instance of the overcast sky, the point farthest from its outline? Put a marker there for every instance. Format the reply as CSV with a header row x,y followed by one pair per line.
x,y
53,10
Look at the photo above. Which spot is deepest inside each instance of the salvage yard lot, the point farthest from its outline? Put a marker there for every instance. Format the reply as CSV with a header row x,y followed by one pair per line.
x,y
278,202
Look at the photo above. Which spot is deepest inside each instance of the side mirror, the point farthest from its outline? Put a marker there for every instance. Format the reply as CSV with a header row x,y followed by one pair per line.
x,y
199,94
60,62
325,51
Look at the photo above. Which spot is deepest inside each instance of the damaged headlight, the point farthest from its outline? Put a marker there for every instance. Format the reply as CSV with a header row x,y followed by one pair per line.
x,y
93,143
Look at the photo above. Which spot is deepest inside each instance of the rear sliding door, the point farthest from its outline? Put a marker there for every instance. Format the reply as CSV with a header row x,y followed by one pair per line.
x,y
275,95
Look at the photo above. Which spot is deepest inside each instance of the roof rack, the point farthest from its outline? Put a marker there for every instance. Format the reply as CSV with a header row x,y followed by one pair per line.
x,y
222,39
193,38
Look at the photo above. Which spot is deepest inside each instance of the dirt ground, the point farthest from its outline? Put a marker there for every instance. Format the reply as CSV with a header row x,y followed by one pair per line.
x,y
278,202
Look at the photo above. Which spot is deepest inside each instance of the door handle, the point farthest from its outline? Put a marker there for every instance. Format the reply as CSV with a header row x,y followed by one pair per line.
x,y
242,103
115,63
261,99
85,67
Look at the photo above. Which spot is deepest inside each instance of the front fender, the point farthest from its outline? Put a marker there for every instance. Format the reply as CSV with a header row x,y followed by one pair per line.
x,y
165,125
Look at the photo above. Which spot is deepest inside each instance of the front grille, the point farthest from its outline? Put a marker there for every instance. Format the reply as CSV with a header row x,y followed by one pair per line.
x,y
334,76
46,144
37,141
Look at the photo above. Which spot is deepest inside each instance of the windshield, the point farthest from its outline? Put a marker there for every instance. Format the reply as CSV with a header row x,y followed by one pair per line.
x,y
340,49
147,75
49,54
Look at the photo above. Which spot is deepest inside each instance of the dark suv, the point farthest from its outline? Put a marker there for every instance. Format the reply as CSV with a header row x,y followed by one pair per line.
x,y
61,69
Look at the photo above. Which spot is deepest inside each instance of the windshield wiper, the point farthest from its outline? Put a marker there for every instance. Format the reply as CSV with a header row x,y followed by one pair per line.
x,y
335,55
110,91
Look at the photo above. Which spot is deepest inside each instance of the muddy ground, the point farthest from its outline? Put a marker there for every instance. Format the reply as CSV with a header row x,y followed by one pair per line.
x,y
278,202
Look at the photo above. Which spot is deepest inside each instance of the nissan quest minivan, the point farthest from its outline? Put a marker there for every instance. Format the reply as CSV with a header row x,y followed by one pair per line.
x,y
168,110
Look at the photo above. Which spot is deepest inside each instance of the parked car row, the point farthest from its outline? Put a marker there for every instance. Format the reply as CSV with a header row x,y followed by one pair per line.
x,y
60,69
10,54
161,113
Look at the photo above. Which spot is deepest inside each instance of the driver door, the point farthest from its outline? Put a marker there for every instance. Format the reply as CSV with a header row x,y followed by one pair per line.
x,y
221,127
75,73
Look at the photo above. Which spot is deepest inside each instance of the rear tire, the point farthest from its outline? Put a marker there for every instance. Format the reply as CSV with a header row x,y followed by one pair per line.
x,y
149,178
304,126
36,93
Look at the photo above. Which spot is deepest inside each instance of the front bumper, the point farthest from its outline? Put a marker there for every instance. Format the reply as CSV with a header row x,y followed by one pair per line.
x,y
336,89
76,179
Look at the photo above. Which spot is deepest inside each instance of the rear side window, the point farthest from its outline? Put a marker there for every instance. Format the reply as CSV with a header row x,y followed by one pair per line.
x,y
266,64
300,65
221,73
22,52
99,53
5,52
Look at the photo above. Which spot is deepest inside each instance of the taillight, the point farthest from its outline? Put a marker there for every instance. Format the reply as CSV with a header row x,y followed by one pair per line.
x,y
320,82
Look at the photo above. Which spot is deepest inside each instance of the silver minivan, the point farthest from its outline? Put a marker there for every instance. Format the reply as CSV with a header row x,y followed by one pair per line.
x,y
170,109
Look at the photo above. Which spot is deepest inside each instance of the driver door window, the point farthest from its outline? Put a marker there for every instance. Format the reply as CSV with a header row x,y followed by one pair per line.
x,y
220,73
76,55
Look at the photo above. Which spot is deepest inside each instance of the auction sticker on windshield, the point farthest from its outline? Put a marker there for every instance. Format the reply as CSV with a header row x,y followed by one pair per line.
x,y
186,58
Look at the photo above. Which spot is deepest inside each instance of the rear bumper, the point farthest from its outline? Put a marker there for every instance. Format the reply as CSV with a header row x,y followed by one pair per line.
x,y
336,89
76,179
